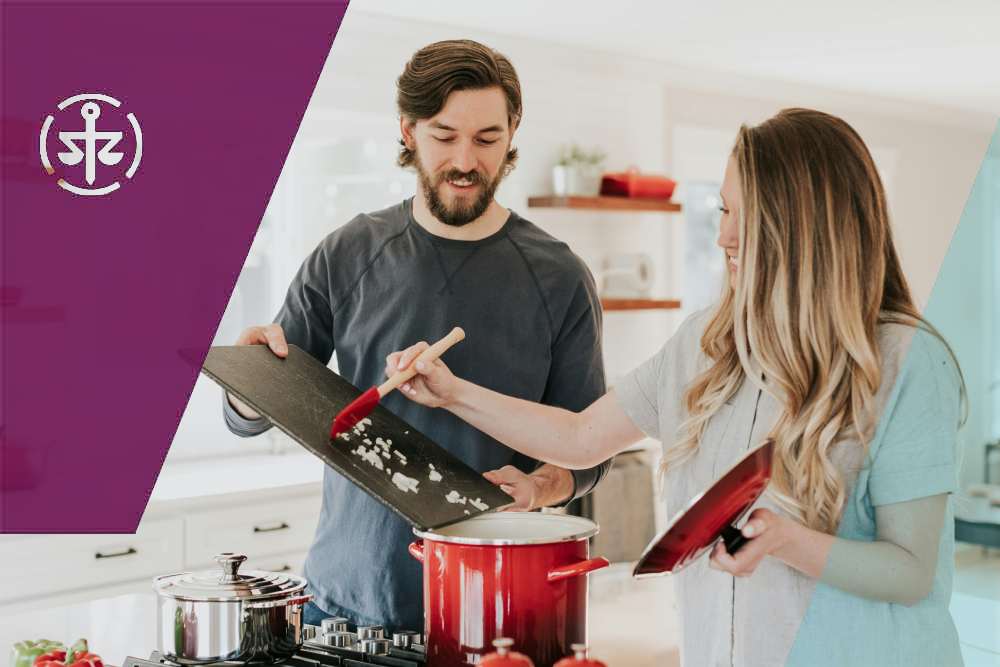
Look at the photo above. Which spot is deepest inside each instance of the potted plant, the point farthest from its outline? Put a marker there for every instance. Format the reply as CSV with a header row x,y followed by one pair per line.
x,y
578,171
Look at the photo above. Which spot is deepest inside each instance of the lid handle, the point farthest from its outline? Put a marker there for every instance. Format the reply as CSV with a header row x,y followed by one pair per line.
x,y
230,564
502,645
579,650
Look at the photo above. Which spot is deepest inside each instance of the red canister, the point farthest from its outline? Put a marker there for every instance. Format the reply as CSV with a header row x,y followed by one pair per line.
x,y
507,574
579,658
631,183
505,657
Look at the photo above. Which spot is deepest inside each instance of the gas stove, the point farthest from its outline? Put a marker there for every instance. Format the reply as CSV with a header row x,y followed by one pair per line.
x,y
332,646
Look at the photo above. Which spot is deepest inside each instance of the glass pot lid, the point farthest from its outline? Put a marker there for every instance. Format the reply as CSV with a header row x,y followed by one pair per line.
x,y
227,583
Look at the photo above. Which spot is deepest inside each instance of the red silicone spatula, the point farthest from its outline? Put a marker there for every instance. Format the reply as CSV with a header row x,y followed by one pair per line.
x,y
362,406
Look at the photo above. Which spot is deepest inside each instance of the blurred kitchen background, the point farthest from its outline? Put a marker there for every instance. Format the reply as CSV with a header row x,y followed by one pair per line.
x,y
661,87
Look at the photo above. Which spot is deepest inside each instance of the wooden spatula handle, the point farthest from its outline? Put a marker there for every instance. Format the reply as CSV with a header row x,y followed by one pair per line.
x,y
430,354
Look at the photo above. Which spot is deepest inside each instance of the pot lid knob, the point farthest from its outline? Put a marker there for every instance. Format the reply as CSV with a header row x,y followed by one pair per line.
x,y
502,645
579,658
230,564
504,656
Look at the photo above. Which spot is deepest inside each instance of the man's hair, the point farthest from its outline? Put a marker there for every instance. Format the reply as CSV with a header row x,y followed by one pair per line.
x,y
439,69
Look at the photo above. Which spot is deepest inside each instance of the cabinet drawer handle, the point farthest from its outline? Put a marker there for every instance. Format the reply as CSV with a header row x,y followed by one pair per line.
x,y
271,529
118,554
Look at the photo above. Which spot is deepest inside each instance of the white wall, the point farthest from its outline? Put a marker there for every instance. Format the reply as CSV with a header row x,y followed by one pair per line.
x,y
642,113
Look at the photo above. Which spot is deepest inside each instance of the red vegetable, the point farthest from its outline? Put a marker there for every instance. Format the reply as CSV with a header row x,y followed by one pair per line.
x,y
86,659
77,656
51,659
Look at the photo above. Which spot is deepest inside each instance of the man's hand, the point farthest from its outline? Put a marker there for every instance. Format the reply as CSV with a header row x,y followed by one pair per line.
x,y
546,487
270,335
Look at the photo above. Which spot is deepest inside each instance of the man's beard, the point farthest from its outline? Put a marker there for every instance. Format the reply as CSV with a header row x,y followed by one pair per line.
x,y
460,212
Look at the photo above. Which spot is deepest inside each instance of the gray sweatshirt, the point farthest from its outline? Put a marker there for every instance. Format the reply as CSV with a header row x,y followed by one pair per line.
x,y
379,284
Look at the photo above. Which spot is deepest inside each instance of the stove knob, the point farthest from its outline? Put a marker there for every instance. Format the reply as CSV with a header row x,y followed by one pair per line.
x,y
405,638
335,624
375,646
340,639
371,632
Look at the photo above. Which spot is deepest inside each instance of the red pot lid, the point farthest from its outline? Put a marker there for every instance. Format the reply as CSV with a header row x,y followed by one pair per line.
x,y
695,529
579,658
505,656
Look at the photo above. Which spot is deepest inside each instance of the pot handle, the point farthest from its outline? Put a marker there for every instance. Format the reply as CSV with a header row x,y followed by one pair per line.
x,y
417,550
576,569
301,599
733,539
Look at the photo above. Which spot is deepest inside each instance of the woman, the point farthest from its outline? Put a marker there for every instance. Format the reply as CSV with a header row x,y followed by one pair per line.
x,y
816,344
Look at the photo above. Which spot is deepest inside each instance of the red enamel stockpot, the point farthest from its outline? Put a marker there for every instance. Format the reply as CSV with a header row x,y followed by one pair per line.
x,y
508,574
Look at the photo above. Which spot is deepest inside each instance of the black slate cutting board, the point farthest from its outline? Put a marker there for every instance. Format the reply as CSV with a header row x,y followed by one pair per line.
x,y
301,396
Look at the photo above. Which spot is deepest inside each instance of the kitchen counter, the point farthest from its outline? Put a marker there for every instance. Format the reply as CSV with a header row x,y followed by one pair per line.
x,y
633,624
264,505
978,622
126,625
206,482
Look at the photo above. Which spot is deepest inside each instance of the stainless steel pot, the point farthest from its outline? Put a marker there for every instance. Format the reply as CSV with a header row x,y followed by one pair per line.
x,y
226,615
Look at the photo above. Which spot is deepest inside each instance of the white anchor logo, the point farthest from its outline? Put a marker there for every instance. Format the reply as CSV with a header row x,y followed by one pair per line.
x,y
91,153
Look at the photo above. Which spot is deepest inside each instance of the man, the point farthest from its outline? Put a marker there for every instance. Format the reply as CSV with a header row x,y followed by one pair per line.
x,y
450,256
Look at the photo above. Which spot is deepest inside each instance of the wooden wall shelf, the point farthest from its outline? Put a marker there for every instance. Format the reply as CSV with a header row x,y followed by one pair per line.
x,y
604,203
640,304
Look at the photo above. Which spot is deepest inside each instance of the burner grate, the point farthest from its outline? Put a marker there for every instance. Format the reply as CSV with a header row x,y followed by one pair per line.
x,y
311,655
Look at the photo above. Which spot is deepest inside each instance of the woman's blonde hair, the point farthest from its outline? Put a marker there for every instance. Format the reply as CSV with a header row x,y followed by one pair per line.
x,y
818,274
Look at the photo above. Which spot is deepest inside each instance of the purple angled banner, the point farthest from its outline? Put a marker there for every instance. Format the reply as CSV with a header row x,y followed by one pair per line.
x,y
140,145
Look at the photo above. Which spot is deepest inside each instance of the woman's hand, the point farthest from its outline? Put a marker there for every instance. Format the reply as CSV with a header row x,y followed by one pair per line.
x,y
433,385
768,533
545,433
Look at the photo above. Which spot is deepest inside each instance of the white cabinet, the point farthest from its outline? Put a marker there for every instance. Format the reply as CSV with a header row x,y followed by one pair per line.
x,y
40,565
258,530
288,562
273,527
